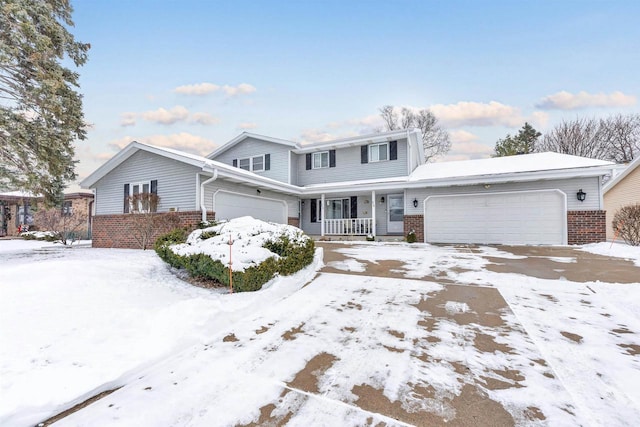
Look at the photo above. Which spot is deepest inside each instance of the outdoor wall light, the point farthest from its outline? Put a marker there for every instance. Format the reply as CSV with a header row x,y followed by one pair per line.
x,y
415,203
382,199
258,190
581,195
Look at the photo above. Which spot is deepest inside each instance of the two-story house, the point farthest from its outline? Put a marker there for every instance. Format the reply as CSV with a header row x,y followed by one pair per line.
x,y
373,184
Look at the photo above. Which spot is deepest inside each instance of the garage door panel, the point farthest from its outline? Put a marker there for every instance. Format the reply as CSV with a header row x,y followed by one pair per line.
x,y
234,205
534,217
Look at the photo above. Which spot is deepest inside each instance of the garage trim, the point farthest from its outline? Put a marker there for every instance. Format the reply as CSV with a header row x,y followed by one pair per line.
x,y
557,191
285,207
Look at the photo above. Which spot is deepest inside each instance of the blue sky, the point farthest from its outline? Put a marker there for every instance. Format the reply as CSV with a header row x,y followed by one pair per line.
x,y
192,75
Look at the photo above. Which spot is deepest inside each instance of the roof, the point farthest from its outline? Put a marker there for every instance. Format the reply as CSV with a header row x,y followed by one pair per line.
x,y
370,138
245,135
613,182
547,164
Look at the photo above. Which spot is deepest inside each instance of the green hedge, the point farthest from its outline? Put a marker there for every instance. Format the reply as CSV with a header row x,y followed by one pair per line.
x,y
293,257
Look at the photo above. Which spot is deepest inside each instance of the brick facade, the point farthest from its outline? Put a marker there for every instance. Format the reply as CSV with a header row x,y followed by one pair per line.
x,y
293,221
586,227
114,231
415,223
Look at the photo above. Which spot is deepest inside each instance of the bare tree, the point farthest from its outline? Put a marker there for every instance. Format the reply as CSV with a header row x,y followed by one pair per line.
x,y
147,224
435,139
65,224
615,138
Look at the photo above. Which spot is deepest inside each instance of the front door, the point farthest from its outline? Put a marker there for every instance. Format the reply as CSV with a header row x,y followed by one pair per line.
x,y
395,213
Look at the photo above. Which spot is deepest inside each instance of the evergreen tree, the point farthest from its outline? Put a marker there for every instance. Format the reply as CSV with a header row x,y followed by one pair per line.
x,y
522,143
40,109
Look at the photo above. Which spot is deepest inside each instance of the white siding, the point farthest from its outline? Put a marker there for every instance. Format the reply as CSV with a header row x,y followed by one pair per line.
x,y
569,186
176,183
279,168
349,168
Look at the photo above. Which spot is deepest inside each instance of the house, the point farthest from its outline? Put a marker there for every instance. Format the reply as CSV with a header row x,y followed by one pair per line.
x,y
623,189
373,184
18,208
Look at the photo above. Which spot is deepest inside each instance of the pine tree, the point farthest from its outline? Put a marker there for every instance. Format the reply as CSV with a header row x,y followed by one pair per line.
x,y
523,143
40,109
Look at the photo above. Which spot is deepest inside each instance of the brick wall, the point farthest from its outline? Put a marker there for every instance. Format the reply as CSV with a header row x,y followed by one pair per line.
x,y
415,223
116,231
293,221
586,227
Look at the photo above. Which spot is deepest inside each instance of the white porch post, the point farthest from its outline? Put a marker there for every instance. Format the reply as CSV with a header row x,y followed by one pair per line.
x,y
373,212
322,209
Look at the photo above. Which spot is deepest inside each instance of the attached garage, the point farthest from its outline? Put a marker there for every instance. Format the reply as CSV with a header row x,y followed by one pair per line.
x,y
229,205
517,218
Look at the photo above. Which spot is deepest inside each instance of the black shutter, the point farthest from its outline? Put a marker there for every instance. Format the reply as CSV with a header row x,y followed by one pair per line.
x,y
308,161
354,207
154,186
267,162
235,163
393,150
364,154
332,158
126,198
314,217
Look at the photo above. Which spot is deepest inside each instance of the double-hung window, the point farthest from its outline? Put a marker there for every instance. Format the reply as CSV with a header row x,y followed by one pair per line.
x,y
379,152
245,164
321,160
257,163
254,163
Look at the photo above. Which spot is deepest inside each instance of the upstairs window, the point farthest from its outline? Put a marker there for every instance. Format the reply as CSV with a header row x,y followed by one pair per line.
x,y
378,152
257,163
254,164
245,164
321,160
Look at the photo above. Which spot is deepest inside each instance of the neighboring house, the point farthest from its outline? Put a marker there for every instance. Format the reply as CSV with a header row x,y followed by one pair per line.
x,y
622,190
18,209
374,184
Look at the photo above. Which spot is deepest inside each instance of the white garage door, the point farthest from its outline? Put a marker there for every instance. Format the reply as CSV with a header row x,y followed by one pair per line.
x,y
233,205
524,217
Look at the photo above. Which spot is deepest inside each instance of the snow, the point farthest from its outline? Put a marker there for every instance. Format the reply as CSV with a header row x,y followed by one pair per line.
x,y
75,322
503,165
617,250
247,236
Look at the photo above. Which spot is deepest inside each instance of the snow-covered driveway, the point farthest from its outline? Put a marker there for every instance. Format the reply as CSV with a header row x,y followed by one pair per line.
x,y
464,345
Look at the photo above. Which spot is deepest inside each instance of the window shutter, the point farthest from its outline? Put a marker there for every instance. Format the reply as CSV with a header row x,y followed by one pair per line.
x,y
267,162
235,163
332,158
154,186
393,150
126,198
308,161
364,154
314,217
354,207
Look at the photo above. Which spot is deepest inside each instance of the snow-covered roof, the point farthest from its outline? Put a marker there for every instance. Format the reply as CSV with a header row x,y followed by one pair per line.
x,y
19,194
501,166
614,181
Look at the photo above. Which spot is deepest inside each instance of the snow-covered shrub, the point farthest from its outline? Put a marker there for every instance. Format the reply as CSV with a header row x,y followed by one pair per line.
x,y
411,237
626,222
48,236
255,250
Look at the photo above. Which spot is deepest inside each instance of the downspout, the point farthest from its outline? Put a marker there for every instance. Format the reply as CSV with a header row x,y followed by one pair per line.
x,y
202,204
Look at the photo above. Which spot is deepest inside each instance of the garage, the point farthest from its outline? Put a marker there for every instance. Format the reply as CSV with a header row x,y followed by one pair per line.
x,y
228,205
516,218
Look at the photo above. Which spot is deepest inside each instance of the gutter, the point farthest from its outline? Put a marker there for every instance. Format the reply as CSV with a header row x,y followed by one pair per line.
x,y
203,207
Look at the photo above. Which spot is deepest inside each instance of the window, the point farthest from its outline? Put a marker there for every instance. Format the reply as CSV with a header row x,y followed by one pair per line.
x,y
321,160
378,152
141,197
338,208
67,208
254,164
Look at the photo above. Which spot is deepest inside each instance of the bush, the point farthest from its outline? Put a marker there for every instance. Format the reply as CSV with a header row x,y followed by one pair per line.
x,y
626,222
292,257
411,237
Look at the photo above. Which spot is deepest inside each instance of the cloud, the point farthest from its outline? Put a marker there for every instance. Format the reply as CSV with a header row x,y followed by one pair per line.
x,y
197,89
459,136
464,146
128,119
315,135
182,141
564,100
166,117
247,125
200,89
203,119
466,113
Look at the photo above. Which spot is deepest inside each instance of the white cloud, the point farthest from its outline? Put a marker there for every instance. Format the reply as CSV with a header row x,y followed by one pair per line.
x,y
182,141
247,125
128,119
203,119
206,88
315,135
464,146
197,89
466,113
459,136
540,119
564,100
166,117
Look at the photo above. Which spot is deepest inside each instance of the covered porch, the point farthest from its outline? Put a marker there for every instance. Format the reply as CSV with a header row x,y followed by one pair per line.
x,y
370,213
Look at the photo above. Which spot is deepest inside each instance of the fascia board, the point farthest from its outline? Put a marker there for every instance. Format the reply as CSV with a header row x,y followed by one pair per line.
x,y
352,142
613,182
245,135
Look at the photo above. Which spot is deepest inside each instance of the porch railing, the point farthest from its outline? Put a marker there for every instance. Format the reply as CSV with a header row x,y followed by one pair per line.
x,y
351,226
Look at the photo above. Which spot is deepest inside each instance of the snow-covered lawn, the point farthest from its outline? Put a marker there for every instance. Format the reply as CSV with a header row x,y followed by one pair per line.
x,y
342,350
